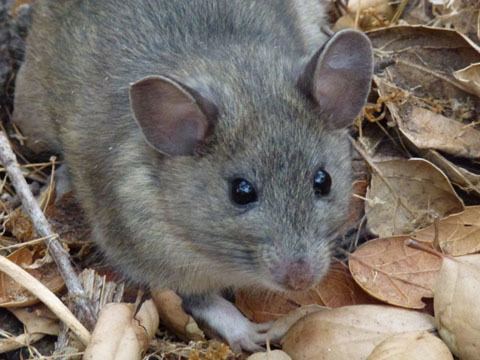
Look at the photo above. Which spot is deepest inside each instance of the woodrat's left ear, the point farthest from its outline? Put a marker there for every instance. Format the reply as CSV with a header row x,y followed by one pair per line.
x,y
338,77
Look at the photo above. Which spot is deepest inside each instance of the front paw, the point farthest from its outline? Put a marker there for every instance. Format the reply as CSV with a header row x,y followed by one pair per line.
x,y
225,320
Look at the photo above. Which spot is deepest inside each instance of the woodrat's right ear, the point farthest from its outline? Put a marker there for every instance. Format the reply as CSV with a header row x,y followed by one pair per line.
x,y
338,77
170,115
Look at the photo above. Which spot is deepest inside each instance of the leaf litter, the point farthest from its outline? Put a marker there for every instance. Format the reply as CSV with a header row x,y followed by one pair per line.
x,y
419,134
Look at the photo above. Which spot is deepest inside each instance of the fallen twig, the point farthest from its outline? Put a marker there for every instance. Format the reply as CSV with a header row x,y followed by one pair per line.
x,y
55,248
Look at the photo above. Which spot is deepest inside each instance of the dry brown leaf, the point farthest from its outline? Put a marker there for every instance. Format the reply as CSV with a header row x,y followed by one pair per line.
x,y
429,130
169,307
422,61
20,225
395,273
419,345
12,295
458,175
408,194
457,234
457,314
470,77
67,219
336,289
37,320
350,332
462,15
17,342
119,335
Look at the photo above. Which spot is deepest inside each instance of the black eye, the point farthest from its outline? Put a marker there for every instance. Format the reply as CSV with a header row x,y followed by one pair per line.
x,y
322,182
243,192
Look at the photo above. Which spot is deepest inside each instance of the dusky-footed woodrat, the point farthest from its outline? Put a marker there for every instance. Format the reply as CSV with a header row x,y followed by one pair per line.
x,y
206,140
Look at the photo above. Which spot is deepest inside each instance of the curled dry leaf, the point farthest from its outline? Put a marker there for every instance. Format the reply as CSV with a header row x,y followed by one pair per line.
x,y
20,225
37,320
457,314
395,273
13,295
169,306
119,335
459,175
408,194
463,15
422,60
271,355
457,234
350,332
470,77
419,345
429,130
335,290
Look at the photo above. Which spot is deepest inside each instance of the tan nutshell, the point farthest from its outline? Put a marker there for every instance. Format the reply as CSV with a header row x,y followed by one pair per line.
x,y
120,334
172,315
350,332
270,355
282,325
456,303
420,345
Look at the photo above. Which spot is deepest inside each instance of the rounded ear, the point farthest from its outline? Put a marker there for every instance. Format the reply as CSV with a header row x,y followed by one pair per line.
x,y
338,77
169,115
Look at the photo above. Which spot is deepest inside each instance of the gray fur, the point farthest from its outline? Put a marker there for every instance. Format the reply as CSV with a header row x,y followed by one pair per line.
x,y
168,221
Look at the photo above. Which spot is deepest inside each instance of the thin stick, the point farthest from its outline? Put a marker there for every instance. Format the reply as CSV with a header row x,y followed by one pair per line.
x,y
46,296
55,248
414,244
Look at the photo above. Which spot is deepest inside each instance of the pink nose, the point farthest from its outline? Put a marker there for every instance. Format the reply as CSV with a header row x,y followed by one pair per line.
x,y
299,275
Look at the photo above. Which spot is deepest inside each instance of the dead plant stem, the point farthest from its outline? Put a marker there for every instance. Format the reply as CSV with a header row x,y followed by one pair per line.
x,y
43,228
